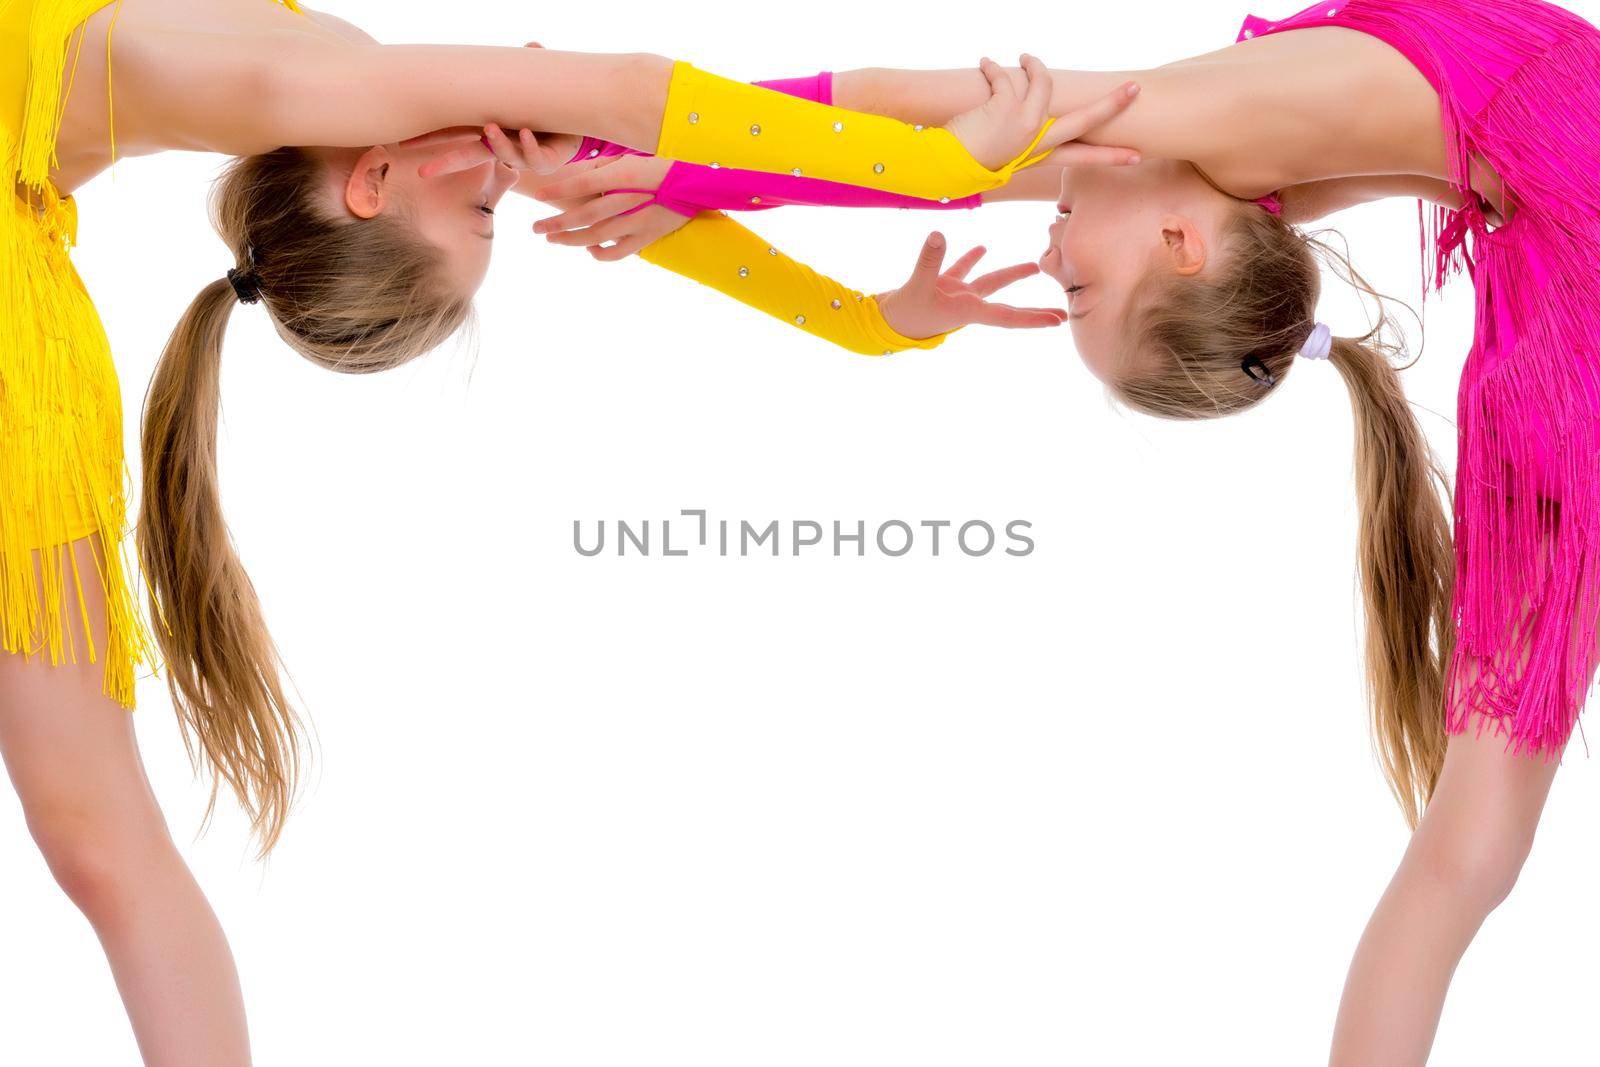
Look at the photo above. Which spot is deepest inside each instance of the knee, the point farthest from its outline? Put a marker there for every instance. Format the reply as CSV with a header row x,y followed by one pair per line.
x,y
97,861
1478,869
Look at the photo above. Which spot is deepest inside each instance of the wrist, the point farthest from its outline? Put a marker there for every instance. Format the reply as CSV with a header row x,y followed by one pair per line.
x,y
886,308
901,330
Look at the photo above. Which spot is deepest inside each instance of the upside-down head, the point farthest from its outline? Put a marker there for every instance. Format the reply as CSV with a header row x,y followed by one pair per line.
x,y
1189,303
1174,285
362,265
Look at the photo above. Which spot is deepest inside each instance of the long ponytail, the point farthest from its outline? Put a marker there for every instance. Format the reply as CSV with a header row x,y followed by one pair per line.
x,y
352,295
222,667
1189,337
1406,563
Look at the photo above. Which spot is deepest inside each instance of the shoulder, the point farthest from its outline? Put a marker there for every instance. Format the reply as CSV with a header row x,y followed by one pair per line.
x,y
1315,102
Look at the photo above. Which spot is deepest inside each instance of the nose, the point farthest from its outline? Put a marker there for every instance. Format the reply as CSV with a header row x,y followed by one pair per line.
x,y
501,178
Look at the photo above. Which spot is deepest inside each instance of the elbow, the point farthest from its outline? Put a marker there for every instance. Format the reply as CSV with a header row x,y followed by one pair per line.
x,y
640,81
645,70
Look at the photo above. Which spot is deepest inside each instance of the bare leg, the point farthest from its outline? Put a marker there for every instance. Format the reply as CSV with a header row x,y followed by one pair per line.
x,y
73,758
1461,863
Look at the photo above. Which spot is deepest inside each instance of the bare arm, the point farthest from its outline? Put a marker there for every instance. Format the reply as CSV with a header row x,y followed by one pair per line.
x,y
1309,201
240,95
933,97
1305,202
1256,116
394,91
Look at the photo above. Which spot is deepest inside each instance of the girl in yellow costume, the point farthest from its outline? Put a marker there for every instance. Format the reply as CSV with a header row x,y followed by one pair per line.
x,y
362,262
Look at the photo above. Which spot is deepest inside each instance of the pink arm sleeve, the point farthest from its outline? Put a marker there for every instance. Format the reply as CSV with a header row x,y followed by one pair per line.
x,y
690,188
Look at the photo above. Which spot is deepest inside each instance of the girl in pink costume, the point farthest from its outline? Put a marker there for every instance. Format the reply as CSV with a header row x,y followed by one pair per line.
x,y
1192,292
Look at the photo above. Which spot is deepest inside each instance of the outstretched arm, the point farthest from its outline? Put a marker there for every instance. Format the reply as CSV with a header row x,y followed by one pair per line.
x,y
245,93
1256,116
313,92
1179,113
259,92
716,251
690,188
933,97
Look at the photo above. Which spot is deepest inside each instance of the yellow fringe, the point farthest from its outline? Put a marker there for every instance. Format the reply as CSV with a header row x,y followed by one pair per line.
x,y
62,469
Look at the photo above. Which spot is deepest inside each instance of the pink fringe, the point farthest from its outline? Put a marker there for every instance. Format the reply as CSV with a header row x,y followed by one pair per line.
x,y
1520,87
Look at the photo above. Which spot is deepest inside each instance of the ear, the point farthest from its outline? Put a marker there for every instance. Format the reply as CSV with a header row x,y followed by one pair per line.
x,y
366,191
1183,242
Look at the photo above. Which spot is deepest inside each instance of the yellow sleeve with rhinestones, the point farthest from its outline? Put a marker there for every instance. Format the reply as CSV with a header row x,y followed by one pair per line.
x,y
716,251
721,122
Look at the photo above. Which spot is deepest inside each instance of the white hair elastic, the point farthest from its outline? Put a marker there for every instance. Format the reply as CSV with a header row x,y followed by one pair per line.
x,y
1320,344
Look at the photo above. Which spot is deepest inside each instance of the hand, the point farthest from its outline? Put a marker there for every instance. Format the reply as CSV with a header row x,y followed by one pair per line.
x,y
998,130
932,303
627,233
594,214
588,194
464,147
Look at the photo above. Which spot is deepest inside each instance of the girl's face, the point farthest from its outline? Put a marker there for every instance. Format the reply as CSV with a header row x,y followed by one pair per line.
x,y
452,211
456,213
1114,226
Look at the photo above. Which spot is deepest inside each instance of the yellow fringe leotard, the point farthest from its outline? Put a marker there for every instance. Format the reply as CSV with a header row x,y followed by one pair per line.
x,y
63,475
62,471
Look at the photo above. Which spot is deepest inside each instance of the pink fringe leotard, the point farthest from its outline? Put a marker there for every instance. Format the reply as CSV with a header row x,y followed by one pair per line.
x,y
1519,88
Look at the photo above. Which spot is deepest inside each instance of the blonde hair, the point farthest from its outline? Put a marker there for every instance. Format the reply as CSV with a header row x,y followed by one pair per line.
x,y
355,296
1188,338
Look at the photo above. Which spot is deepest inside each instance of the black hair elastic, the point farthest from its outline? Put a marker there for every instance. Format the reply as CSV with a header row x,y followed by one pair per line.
x,y
246,284
1248,363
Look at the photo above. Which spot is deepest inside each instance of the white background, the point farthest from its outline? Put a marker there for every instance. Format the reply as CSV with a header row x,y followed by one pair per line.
x,y
1111,803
